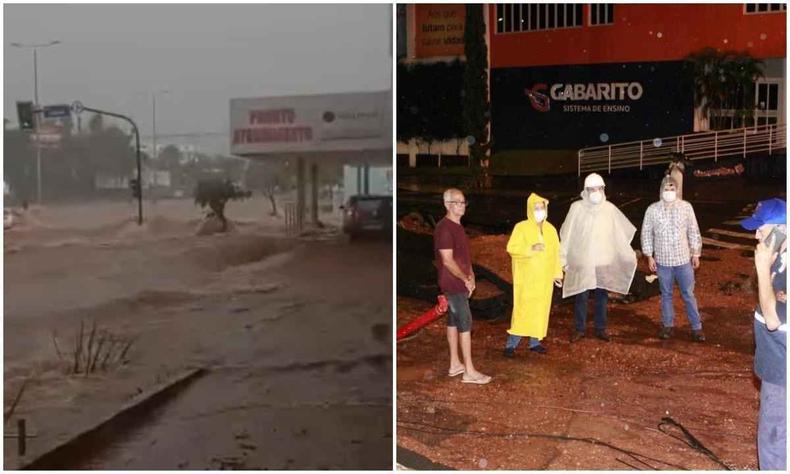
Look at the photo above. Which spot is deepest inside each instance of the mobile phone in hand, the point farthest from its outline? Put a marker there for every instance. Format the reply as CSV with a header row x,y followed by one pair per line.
x,y
775,239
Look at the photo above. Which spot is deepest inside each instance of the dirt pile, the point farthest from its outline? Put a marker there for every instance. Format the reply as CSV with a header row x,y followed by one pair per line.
x,y
415,222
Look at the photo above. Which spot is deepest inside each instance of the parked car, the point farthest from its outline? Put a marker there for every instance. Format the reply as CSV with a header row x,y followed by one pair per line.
x,y
367,214
8,218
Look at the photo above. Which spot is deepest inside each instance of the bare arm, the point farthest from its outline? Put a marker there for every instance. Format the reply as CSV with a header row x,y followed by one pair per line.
x,y
763,258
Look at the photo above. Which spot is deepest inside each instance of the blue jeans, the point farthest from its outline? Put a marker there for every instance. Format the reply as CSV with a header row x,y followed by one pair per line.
x,y
684,275
513,341
772,428
580,309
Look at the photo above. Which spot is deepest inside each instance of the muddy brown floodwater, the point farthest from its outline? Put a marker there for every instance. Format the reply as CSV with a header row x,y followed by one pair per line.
x,y
294,336
615,393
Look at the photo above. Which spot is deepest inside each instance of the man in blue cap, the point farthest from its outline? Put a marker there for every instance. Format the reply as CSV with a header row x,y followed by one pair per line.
x,y
770,330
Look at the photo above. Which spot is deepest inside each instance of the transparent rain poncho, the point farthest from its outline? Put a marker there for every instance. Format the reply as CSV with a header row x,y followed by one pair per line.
x,y
595,248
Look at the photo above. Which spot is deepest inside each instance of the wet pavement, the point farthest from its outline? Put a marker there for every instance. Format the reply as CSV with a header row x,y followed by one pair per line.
x,y
259,418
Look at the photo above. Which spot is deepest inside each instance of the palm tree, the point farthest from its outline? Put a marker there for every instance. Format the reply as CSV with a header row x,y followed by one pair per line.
x,y
724,81
744,70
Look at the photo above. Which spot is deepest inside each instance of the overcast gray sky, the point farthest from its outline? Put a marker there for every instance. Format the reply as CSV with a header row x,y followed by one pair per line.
x,y
115,57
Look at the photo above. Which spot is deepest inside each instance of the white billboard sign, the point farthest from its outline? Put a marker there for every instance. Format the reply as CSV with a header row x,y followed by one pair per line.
x,y
315,123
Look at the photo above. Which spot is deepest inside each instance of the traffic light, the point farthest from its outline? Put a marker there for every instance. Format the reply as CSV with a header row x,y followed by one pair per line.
x,y
24,111
134,185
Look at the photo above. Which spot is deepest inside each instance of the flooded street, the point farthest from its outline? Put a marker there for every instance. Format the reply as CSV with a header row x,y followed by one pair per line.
x,y
297,359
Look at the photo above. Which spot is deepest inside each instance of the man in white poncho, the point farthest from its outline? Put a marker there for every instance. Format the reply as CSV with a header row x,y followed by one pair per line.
x,y
596,254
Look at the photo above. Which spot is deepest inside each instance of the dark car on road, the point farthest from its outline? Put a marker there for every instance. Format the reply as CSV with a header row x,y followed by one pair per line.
x,y
367,215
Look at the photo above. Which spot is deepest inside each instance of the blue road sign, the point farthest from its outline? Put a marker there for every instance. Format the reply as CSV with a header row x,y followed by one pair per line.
x,y
57,111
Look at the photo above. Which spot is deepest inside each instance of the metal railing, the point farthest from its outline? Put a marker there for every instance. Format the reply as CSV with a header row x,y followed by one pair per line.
x,y
292,224
696,146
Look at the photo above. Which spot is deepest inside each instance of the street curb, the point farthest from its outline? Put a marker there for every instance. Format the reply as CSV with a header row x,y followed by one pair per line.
x,y
79,446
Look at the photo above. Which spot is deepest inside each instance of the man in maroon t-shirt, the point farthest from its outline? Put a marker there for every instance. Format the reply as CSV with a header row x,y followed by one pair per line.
x,y
457,282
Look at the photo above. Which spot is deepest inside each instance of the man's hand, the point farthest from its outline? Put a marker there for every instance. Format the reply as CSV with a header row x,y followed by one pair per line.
x,y
538,247
558,282
470,284
651,264
764,257
695,262
781,296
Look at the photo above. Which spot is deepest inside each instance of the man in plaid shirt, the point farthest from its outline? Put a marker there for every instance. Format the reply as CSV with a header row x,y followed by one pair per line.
x,y
672,243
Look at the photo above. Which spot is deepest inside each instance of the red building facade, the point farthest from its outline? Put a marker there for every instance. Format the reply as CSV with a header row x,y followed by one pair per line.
x,y
634,33
568,76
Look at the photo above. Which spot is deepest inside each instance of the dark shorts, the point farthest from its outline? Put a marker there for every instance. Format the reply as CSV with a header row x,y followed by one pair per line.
x,y
458,313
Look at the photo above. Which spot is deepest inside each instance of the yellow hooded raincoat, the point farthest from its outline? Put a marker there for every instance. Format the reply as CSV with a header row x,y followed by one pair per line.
x,y
533,272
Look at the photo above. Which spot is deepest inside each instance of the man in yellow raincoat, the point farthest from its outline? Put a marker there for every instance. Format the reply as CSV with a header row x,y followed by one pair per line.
x,y
534,248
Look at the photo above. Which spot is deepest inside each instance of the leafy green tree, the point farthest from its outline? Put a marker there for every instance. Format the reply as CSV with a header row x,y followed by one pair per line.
x,y
724,81
475,91
429,102
170,157
18,164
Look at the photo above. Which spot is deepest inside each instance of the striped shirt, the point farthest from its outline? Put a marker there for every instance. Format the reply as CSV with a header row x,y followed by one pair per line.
x,y
670,233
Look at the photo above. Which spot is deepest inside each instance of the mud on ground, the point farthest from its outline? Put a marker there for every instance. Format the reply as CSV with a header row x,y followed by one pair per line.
x,y
614,392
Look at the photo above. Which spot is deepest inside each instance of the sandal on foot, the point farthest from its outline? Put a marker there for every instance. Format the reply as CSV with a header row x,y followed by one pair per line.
x,y
453,373
479,380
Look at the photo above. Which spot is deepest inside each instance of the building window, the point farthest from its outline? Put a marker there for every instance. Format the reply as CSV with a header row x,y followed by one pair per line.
x,y
734,114
601,14
518,17
756,8
766,103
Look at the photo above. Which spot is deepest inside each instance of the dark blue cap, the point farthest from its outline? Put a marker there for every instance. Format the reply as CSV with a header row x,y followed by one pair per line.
x,y
770,211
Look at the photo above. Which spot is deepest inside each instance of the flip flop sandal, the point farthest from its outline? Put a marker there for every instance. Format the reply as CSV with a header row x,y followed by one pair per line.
x,y
482,380
455,372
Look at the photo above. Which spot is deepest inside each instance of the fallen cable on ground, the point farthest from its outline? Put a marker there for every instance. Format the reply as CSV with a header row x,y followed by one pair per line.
x,y
433,429
690,440
629,465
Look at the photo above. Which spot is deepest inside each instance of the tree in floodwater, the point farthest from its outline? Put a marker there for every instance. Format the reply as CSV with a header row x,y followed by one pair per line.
x,y
215,193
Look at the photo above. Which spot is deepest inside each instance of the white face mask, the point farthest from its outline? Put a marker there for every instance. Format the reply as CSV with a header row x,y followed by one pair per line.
x,y
540,216
669,196
596,197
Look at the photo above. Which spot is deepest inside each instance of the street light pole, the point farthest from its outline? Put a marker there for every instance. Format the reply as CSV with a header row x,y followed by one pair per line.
x,y
36,114
154,153
36,125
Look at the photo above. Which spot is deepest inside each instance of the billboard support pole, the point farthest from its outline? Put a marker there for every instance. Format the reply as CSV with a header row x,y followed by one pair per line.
x,y
300,194
314,185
